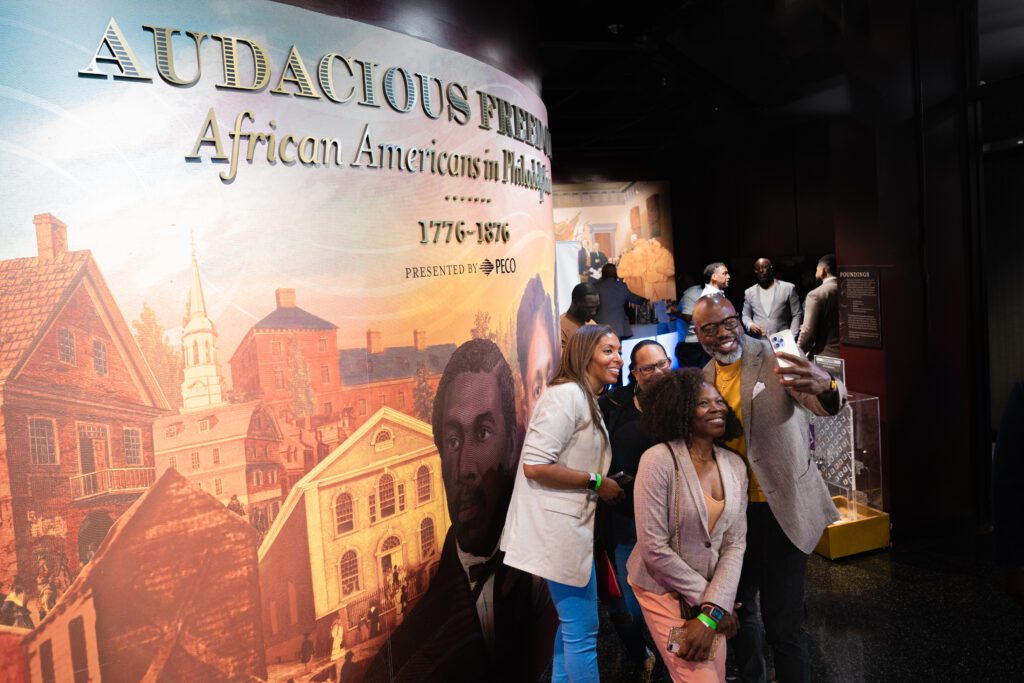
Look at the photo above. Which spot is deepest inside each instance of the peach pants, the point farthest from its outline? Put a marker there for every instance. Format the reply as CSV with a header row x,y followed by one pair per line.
x,y
661,612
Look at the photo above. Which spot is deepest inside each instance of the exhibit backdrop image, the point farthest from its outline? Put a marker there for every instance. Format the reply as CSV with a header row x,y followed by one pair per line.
x,y
628,224
275,301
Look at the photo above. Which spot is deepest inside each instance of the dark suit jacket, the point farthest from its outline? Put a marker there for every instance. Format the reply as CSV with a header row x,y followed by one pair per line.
x,y
441,640
612,312
819,335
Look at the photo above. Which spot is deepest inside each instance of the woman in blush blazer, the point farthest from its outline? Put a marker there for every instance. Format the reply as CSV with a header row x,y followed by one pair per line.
x,y
690,500
549,530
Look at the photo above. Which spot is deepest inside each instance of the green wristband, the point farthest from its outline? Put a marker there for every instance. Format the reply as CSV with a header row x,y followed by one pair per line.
x,y
598,485
707,621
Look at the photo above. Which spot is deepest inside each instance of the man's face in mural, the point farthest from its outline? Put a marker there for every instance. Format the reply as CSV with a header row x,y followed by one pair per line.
x,y
540,363
474,455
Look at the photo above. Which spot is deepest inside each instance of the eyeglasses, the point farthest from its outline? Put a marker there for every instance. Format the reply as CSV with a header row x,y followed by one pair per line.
x,y
711,329
662,364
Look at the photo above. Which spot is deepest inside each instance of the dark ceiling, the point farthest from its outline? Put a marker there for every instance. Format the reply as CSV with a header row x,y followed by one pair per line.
x,y
654,81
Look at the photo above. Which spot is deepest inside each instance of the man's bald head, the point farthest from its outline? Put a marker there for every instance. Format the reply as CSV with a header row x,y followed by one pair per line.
x,y
711,305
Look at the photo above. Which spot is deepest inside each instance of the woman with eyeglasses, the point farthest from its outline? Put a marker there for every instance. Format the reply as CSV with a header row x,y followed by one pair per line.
x,y
621,409
690,500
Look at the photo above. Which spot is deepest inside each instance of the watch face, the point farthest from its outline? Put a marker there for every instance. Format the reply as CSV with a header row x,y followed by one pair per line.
x,y
717,613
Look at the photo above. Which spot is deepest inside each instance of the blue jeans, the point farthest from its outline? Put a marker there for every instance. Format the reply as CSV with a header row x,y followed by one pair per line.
x,y
575,656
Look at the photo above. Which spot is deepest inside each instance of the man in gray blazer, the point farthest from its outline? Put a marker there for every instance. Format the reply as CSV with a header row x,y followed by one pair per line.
x,y
770,305
615,294
789,503
819,335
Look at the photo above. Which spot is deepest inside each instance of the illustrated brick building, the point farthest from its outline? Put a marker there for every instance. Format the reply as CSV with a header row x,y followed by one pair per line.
x,y
171,595
341,388
77,406
233,449
290,355
373,505
378,376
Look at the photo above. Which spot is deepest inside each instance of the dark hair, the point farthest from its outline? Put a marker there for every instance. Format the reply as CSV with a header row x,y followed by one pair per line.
x,y
477,355
535,304
573,365
609,270
829,261
710,269
669,407
639,345
580,291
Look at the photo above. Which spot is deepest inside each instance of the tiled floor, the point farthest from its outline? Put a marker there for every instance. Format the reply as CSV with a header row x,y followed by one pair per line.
x,y
929,611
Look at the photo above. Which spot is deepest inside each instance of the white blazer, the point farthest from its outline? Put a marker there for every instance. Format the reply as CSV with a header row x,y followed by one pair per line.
x,y
550,532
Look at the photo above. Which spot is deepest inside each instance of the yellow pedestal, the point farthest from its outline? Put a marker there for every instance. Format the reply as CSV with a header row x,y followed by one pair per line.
x,y
867,529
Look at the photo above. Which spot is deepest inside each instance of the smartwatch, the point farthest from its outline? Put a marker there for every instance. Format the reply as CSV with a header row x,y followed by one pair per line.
x,y
714,611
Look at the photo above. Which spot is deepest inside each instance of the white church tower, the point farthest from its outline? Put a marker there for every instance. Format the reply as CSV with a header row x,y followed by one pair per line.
x,y
202,386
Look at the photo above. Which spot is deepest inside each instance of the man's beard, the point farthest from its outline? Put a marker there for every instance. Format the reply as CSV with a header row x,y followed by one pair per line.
x,y
725,358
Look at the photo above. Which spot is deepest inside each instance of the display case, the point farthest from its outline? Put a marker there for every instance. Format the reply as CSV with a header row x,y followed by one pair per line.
x,y
847,449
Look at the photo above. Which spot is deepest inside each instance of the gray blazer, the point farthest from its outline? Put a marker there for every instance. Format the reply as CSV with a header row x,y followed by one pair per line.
x,y
819,335
785,313
707,568
615,294
776,425
550,532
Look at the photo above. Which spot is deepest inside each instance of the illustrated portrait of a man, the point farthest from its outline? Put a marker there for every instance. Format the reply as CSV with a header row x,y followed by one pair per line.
x,y
478,620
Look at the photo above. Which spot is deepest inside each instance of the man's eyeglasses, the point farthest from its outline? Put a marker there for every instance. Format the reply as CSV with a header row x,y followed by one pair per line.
x,y
711,329
663,364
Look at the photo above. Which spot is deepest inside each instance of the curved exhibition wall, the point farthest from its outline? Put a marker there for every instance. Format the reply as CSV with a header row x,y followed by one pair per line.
x,y
274,309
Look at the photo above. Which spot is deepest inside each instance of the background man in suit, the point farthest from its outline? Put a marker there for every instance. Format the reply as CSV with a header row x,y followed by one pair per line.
x,y
789,503
615,294
478,620
819,335
770,305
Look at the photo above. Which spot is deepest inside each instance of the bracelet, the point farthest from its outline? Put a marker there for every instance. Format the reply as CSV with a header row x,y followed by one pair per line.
x,y
598,484
707,621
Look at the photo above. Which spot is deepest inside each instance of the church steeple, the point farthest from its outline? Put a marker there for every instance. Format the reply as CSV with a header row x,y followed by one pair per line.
x,y
196,302
201,387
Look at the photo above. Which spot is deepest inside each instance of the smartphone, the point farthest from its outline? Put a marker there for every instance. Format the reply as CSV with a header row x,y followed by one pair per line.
x,y
675,639
784,341
621,478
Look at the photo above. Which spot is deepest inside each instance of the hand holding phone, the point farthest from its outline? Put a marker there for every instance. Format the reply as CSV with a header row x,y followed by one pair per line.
x,y
784,341
621,478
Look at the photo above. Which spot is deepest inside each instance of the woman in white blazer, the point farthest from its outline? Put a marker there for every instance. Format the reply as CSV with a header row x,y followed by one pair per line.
x,y
690,501
549,530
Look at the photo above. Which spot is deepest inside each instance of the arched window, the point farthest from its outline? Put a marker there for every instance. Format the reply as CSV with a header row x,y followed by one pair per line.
x,y
348,570
428,546
257,478
195,352
386,488
383,440
344,519
390,543
422,484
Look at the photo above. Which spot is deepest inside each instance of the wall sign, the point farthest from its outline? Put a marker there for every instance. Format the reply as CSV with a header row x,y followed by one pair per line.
x,y
860,306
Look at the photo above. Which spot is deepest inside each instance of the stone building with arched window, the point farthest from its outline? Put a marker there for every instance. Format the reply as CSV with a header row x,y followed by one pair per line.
x,y
360,528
